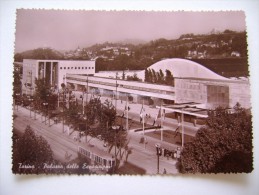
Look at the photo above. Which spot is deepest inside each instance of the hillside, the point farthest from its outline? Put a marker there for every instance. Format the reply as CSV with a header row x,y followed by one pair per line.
x,y
214,50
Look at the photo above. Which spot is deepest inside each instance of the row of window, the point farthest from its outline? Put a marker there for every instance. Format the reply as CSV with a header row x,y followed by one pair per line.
x,y
76,68
96,158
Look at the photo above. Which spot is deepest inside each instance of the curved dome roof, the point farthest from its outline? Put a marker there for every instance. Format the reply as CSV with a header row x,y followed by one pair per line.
x,y
185,69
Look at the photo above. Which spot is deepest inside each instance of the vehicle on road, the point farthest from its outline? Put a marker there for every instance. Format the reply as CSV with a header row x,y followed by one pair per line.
x,y
99,159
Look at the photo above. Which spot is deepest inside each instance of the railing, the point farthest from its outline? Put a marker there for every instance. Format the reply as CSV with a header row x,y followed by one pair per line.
x,y
120,85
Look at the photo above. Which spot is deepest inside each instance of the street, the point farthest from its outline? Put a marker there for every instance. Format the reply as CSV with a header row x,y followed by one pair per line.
x,y
142,155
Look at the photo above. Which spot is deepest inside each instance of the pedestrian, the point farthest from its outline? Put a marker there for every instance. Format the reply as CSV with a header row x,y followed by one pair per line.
x,y
154,122
164,172
194,122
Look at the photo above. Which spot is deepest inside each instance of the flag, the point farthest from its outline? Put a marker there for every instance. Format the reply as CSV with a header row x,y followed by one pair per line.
x,y
141,113
142,110
163,114
158,114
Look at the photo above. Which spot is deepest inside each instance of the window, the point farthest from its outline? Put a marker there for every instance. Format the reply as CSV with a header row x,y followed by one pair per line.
x,y
68,67
82,67
85,67
65,68
72,67
92,67
75,67
60,68
78,67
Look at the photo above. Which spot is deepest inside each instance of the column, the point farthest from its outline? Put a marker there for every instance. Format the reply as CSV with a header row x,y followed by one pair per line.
x,y
51,72
44,72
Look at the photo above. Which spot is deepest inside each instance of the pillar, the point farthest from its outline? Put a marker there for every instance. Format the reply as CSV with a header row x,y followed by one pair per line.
x,y
51,72
44,72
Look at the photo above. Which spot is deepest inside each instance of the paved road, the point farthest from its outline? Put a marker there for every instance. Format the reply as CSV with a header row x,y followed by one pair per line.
x,y
142,155
59,142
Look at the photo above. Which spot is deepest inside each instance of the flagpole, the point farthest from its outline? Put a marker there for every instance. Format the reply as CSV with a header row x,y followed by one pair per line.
x,y
127,120
143,117
182,129
162,124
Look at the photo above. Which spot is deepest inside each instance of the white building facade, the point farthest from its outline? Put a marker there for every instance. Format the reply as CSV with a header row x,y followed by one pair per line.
x,y
54,72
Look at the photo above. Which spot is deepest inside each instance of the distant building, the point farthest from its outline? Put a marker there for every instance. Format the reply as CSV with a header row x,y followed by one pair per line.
x,y
54,71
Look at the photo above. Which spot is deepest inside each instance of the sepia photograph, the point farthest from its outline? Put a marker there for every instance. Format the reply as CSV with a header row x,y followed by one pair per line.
x,y
131,93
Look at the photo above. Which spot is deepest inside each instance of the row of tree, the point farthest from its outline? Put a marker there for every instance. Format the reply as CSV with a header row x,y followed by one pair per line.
x,y
151,76
94,119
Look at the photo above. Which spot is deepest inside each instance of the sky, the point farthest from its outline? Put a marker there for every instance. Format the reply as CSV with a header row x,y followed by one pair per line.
x,y
66,30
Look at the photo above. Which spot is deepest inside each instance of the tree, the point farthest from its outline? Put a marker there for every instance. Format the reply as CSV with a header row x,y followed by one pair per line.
x,y
72,114
223,145
133,78
169,80
31,149
154,76
147,78
160,77
150,76
123,75
44,94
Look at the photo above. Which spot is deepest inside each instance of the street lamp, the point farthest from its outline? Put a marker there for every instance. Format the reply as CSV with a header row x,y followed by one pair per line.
x,y
46,105
34,111
29,84
31,100
83,102
127,107
158,153
116,92
16,97
182,128
116,131
63,105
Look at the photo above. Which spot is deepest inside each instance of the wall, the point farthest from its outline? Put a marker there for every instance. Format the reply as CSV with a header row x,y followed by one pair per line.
x,y
213,93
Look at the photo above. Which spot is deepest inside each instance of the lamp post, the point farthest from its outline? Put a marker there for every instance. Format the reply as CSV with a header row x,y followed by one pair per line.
x,y
46,105
116,131
162,121
116,93
158,153
182,128
87,91
16,97
83,102
30,86
34,112
31,100
127,108
63,105
143,118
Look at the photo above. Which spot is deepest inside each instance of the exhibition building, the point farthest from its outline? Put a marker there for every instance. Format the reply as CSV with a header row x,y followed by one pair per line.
x,y
193,84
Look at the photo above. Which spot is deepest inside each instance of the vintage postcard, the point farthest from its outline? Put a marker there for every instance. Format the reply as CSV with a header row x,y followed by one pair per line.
x,y
131,93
